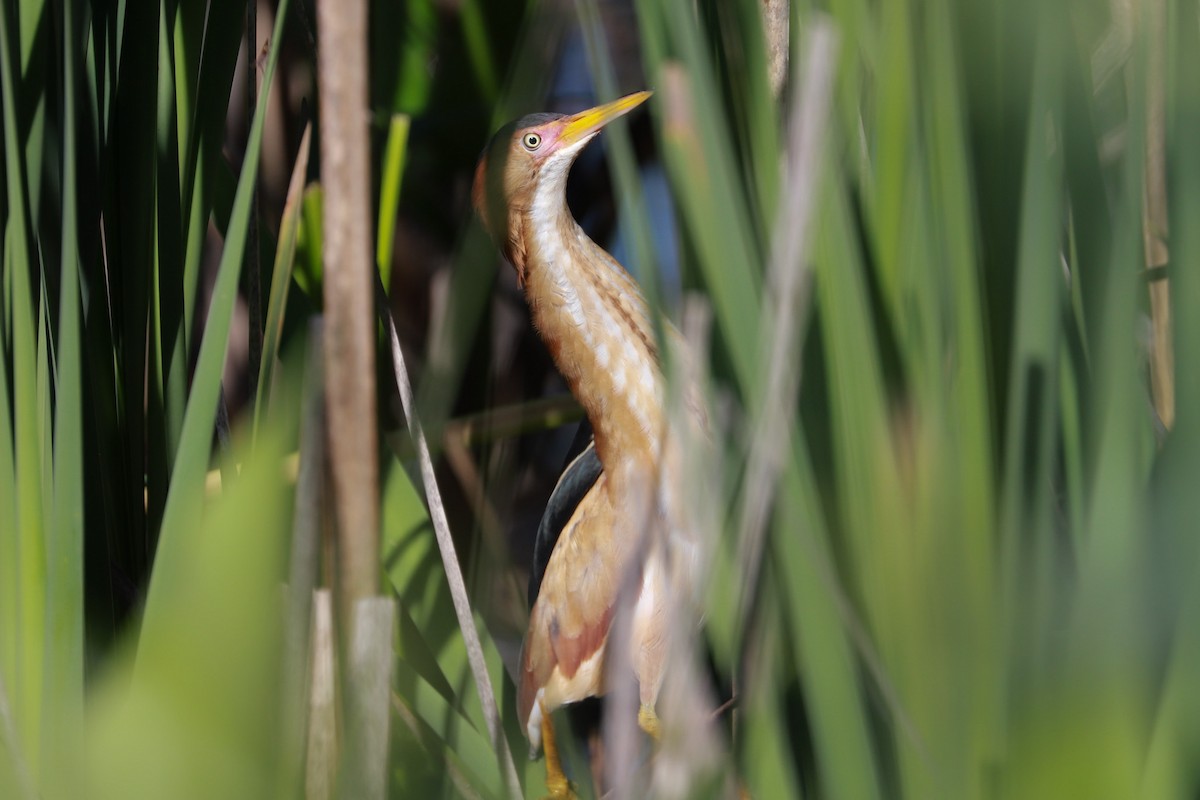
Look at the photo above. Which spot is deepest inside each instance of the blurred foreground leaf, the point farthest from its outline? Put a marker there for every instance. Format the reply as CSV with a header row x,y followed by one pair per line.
x,y
196,717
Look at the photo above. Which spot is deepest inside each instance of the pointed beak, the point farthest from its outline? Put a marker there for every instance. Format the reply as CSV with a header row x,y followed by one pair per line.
x,y
585,123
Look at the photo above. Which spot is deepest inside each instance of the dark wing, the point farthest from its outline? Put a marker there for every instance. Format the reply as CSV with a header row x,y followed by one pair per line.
x,y
576,481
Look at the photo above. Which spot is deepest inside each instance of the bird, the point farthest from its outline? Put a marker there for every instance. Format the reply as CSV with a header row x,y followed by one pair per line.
x,y
598,328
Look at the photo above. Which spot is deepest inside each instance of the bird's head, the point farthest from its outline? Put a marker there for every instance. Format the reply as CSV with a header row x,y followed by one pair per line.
x,y
530,158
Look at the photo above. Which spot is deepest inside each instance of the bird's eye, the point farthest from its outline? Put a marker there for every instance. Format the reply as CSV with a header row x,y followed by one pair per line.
x,y
531,141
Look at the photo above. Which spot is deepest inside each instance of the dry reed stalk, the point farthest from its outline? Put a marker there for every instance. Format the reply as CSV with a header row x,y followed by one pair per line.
x,y
454,576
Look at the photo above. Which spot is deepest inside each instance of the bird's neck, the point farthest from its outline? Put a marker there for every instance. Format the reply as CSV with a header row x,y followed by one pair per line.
x,y
593,318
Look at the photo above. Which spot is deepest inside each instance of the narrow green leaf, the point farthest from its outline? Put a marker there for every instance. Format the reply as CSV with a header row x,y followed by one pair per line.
x,y
701,162
479,50
194,715
1115,510
35,28
856,389
191,462
1028,565
404,40
770,768
463,744
45,401
816,614
10,541
31,554
389,194
892,143
168,337
1101,694
281,277
65,605
187,34
951,284
756,111
309,272
210,55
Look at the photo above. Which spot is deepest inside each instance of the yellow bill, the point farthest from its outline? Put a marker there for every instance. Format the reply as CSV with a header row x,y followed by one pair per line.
x,y
585,123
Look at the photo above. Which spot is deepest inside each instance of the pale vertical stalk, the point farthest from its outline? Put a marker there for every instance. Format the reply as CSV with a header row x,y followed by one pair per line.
x,y
788,299
350,382
1154,221
775,17
304,562
349,262
321,760
454,576
369,664
691,750
621,736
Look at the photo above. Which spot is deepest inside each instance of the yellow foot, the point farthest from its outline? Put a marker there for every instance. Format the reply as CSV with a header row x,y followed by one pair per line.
x,y
648,721
558,787
556,780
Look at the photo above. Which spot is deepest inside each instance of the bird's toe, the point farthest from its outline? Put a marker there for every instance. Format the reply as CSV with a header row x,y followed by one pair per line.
x,y
559,788
648,721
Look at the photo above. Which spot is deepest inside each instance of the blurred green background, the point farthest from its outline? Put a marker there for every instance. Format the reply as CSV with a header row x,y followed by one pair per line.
x,y
979,571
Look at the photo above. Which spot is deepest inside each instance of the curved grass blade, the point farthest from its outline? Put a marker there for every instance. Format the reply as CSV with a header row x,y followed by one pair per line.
x,y
281,276
27,679
389,194
13,772
195,715
191,462
65,603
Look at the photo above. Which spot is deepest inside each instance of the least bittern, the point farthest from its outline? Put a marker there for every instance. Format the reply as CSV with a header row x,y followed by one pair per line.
x,y
596,325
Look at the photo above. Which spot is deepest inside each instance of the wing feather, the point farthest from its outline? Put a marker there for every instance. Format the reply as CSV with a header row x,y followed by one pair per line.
x,y
573,610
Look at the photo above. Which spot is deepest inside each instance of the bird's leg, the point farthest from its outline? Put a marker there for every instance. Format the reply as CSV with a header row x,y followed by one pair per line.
x,y
556,780
648,721
634,484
